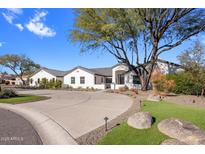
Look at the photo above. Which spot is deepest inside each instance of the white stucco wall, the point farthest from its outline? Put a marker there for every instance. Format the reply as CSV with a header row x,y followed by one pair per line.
x,y
118,68
77,73
89,79
19,82
40,75
99,79
128,78
128,82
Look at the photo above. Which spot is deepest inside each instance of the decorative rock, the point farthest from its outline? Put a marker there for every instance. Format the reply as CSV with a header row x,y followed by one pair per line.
x,y
182,130
155,98
140,120
172,142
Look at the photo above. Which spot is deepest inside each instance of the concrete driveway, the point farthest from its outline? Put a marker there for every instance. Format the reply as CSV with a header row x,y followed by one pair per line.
x,y
79,112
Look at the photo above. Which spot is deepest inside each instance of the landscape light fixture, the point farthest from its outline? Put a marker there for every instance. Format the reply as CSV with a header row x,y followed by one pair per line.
x,y
106,119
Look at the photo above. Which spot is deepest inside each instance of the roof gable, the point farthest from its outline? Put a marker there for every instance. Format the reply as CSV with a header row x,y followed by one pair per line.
x,y
53,72
107,71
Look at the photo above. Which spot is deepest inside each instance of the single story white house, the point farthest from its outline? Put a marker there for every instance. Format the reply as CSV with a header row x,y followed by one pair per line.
x,y
49,74
100,78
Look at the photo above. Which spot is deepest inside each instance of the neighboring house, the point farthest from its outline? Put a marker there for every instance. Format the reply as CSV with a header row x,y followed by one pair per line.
x,y
49,74
100,78
7,79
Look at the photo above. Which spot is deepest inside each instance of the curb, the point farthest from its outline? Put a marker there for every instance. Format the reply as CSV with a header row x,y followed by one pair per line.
x,y
50,132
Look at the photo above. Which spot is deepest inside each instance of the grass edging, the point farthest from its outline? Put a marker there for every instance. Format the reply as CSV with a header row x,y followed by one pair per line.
x,y
23,98
159,110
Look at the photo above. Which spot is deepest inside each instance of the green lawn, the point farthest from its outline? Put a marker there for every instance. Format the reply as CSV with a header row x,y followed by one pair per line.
x,y
22,99
160,110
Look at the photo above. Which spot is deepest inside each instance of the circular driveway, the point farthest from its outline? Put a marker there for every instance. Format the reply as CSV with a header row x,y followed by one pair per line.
x,y
79,112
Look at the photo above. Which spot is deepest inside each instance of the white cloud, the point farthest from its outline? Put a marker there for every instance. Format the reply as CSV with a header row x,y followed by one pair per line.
x,y
9,18
15,10
11,14
37,26
1,44
20,27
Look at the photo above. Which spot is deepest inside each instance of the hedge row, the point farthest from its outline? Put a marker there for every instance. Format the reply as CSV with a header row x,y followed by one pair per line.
x,y
184,84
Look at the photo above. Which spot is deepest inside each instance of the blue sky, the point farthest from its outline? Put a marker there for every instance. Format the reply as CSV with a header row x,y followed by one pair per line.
x,y
42,34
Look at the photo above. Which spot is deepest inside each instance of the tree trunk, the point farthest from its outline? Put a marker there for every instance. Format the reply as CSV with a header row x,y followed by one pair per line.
x,y
23,81
143,76
143,83
202,92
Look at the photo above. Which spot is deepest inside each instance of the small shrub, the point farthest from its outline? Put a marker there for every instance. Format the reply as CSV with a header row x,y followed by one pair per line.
x,y
161,83
69,87
43,83
123,89
7,93
52,84
58,84
134,90
92,88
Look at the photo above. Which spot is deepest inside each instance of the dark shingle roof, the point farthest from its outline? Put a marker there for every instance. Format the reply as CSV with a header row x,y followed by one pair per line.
x,y
54,72
106,71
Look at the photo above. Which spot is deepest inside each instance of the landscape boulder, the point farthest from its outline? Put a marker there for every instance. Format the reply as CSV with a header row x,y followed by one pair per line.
x,y
172,142
152,97
181,130
140,120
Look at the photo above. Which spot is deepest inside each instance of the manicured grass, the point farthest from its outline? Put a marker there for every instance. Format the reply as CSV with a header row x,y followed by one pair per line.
x,y
160,110
22,99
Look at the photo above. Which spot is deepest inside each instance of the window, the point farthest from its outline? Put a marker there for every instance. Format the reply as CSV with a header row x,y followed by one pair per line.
x,y
38,81
95,80
72,80
120,79
31,81
108,80
136,79
82,80
101,79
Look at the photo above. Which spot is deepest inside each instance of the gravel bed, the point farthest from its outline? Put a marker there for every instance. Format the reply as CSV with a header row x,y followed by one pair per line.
x,y
187,100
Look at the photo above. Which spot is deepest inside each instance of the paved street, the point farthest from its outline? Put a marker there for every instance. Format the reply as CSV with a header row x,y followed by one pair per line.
x,y
14,129
79,112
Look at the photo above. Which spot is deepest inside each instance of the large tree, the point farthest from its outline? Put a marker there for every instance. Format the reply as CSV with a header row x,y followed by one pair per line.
x,y
136,37
19,64
193,61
